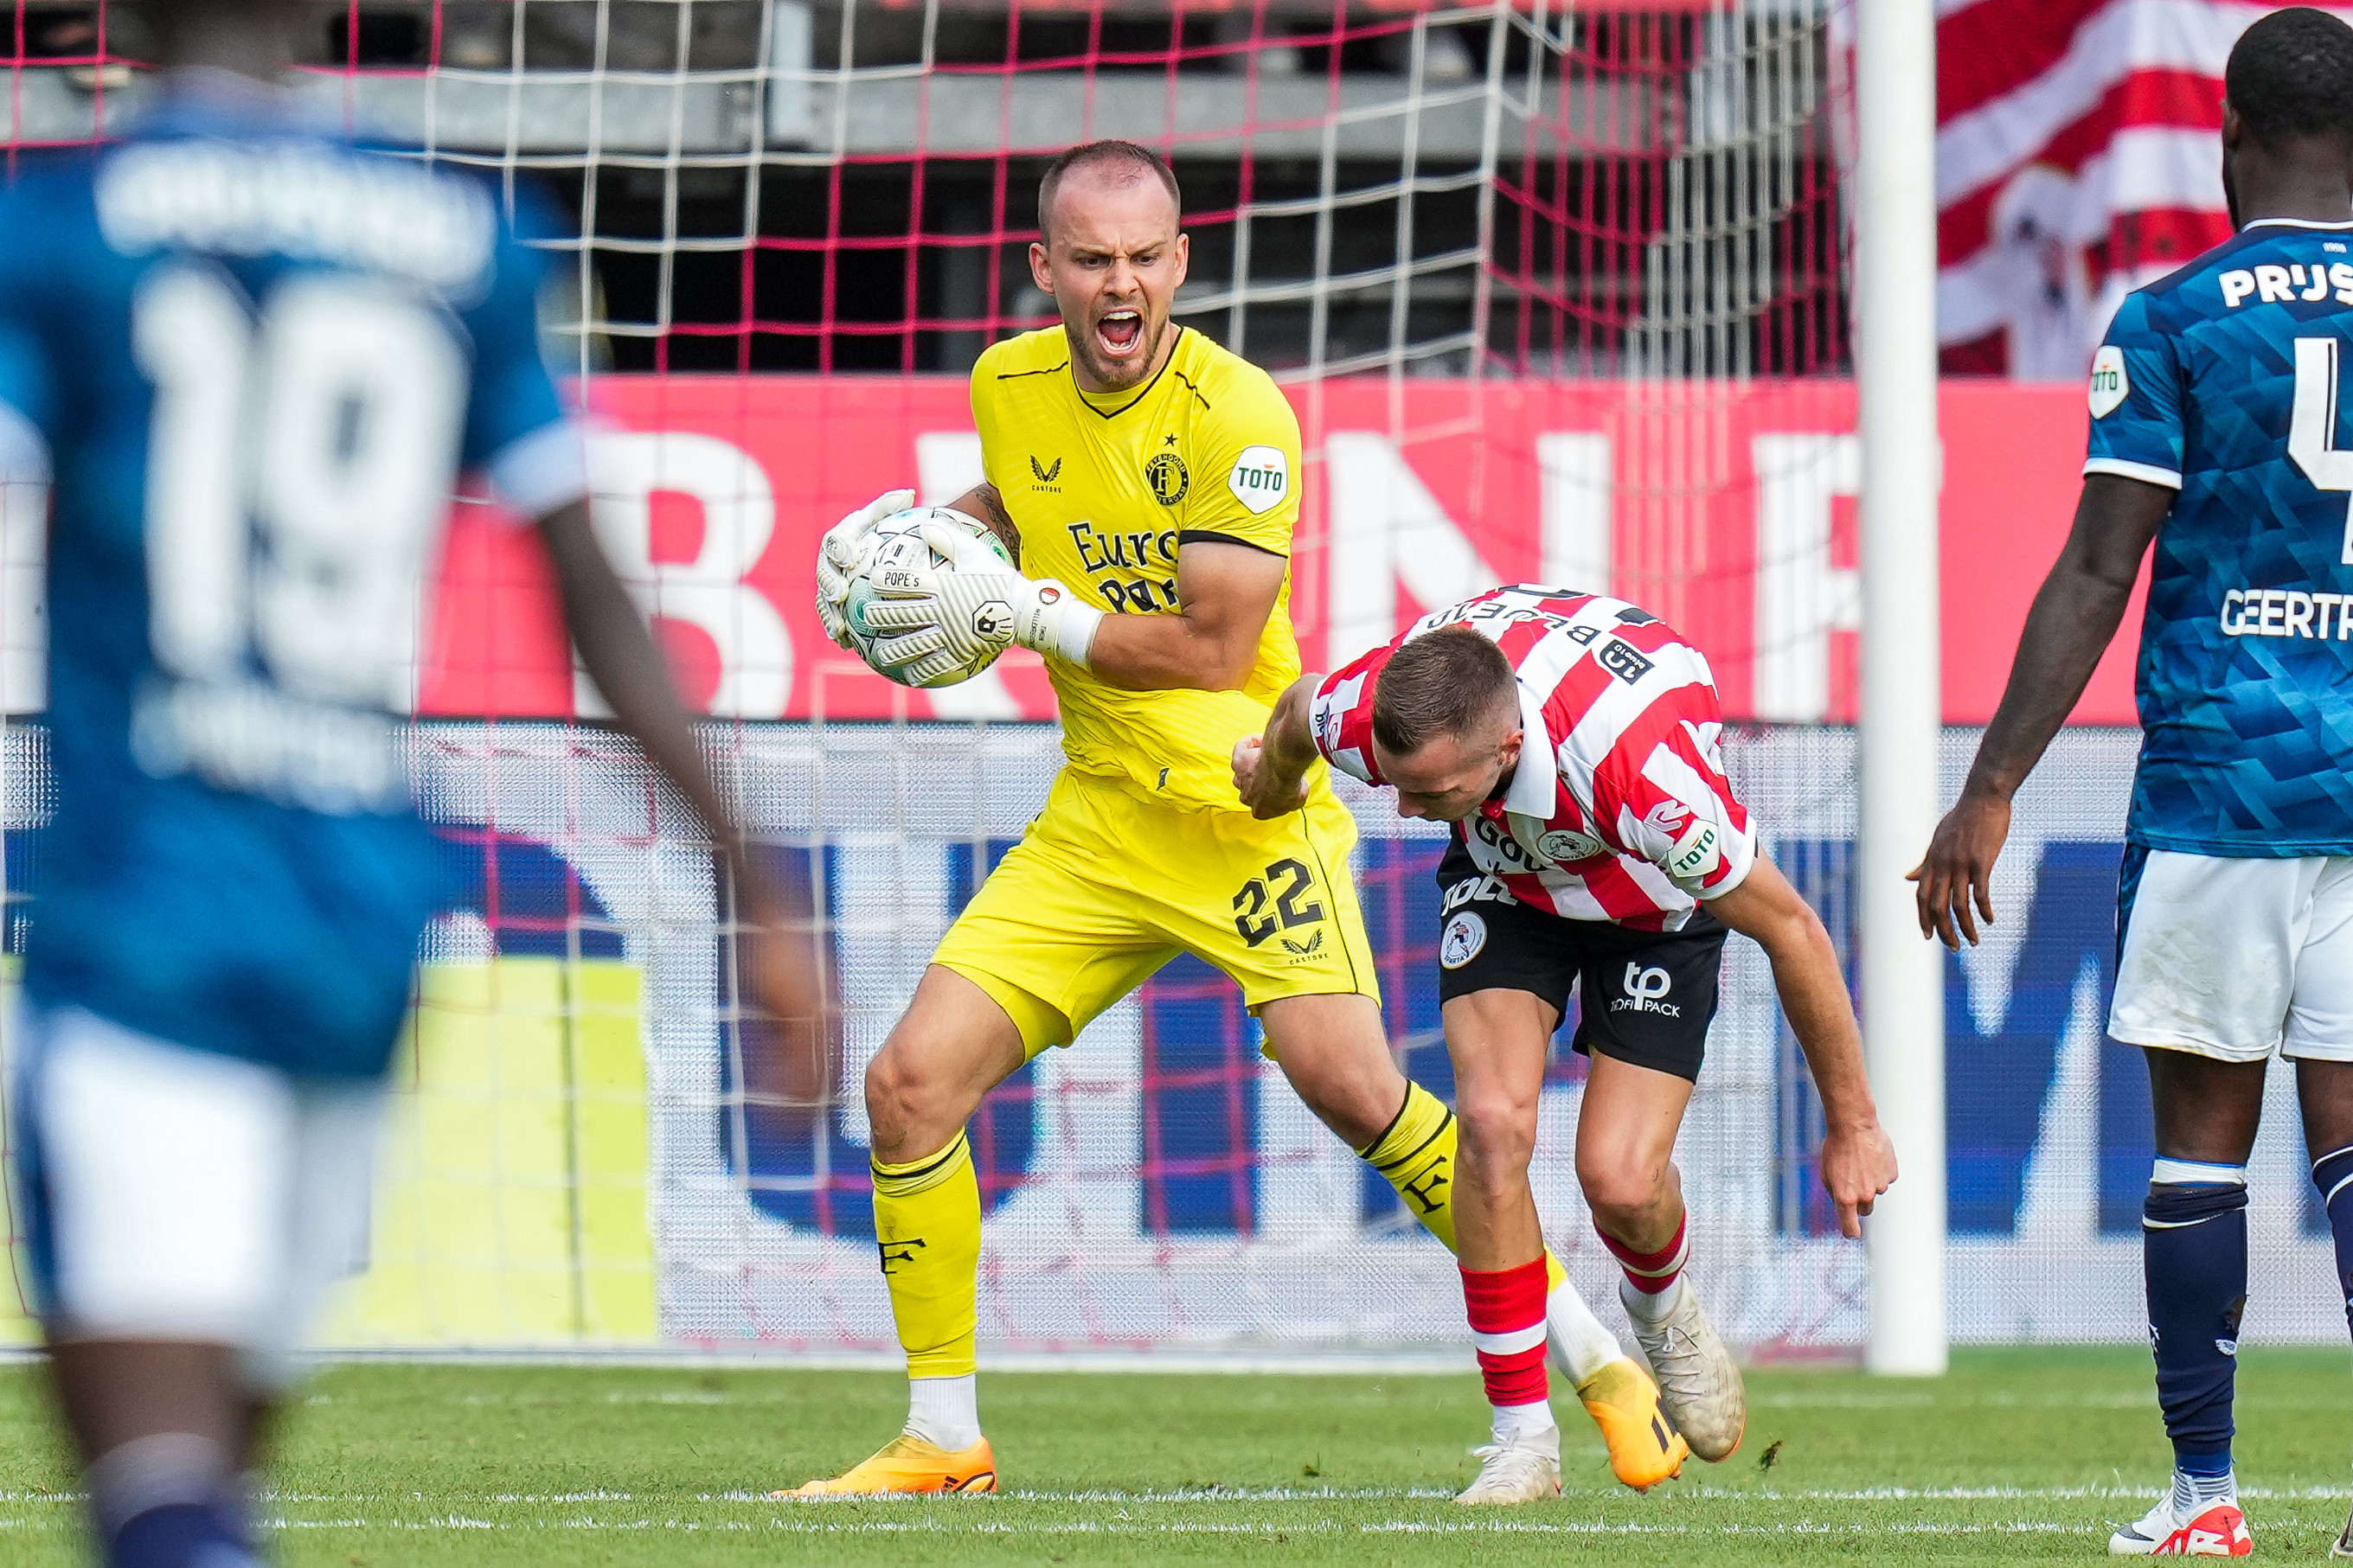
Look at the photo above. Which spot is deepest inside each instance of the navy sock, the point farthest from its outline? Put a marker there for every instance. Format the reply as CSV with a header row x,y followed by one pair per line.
x,y
164,1502
2333,1174
179,1535
2194,1260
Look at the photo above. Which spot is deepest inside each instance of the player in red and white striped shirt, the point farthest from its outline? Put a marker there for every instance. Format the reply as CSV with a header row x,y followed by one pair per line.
x,y
1636,823
1572,741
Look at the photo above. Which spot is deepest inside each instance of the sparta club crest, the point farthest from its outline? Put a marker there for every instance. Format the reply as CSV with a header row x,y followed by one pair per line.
x,y
1169,478
1464,935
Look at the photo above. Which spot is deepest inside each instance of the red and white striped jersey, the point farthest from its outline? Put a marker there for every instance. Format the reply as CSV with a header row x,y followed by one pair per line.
x,y
2076,161
1620,809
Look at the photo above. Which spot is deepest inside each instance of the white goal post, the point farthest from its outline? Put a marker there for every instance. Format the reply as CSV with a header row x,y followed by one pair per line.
x,y
1898,739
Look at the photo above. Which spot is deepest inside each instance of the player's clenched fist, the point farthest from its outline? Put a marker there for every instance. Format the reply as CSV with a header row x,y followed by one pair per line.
x,y
1262,785
1270,773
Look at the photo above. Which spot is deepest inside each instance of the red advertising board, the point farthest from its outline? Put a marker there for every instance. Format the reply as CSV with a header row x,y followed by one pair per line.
x,y
1726,509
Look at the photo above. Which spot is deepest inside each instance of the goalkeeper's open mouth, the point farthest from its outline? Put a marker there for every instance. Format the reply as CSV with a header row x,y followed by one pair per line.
x,y
1120,333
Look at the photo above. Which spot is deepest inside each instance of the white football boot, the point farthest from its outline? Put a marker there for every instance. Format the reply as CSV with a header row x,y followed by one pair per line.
x,y
2179,1526
2343,1546
1525,1469
1699,1382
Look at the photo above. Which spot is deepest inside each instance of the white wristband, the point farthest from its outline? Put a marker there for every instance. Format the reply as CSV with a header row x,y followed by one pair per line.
x,y
1058,624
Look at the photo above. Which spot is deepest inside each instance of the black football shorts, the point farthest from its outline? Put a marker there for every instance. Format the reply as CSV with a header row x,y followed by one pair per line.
x,y
1647,996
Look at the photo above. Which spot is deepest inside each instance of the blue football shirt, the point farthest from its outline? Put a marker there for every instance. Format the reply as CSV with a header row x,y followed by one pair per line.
x,y
254,357
2223,382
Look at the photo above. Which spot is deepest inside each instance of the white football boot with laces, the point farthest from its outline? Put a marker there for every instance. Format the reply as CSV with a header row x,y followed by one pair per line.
x,y
1699,1382
2182,1525
1525,1469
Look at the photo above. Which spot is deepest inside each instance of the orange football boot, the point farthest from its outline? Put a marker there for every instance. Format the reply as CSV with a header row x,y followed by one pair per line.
x,y
912,1464
908,1464
1644,1447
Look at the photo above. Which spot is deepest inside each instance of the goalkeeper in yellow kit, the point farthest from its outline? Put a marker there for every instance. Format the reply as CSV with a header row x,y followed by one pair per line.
x,y
1147,482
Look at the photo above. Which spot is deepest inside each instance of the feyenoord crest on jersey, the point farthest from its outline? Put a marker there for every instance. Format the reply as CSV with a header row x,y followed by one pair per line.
x,y
1170,479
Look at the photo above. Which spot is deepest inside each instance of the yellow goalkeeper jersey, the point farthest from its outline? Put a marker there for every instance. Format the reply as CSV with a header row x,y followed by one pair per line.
x,y
1106,488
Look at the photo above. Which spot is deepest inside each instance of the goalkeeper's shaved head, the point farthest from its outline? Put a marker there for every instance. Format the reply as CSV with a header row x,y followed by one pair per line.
x,y
1114,162
1111,253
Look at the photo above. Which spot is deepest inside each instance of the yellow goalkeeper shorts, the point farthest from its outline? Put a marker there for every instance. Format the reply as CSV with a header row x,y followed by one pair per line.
x,y
1105,887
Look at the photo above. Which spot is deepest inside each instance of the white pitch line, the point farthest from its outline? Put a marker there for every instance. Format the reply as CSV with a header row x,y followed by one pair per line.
x,y
1695,1491
456,1523
1236,1528
1347,1361
1692,1492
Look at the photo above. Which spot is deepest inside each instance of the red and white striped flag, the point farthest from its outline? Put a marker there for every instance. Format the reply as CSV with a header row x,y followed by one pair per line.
x,y
2076,159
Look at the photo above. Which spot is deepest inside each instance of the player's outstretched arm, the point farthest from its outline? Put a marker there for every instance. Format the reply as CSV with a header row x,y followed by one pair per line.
x,y
1270,773
2075,615
785,964
1858,1162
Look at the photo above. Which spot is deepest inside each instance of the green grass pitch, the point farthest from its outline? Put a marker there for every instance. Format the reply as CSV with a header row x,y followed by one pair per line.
x,y
2020,1455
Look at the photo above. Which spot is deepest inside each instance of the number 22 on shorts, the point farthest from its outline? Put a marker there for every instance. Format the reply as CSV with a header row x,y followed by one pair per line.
x,y
1285,883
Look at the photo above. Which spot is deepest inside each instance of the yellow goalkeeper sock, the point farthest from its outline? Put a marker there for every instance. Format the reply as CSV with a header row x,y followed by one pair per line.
x,y
1416,1156
928,1224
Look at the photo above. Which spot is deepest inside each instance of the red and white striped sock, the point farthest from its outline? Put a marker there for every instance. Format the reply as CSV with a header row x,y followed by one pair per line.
x,y
1653,1275
1507,1324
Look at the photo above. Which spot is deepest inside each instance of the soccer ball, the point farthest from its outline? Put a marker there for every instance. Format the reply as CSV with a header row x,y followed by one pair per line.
x,y
894,542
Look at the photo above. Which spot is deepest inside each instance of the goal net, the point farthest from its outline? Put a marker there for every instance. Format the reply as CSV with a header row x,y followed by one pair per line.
x,y
1560,295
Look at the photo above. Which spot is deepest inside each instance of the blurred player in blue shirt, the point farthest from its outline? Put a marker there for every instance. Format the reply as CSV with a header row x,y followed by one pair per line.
x,y
253,358
2216,435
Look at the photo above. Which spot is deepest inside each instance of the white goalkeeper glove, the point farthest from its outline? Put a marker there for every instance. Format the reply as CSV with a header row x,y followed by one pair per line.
x,y
837,557
971,608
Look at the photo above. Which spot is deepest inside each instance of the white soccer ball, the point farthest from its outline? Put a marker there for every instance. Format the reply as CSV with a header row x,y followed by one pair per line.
x,y
894,542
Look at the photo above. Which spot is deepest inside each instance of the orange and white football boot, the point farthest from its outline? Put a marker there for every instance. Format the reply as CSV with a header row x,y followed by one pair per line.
x,y
908,1464
2214,1528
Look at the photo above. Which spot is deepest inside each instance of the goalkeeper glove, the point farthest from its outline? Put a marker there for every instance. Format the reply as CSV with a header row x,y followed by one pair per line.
x,y
968,611
837,557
